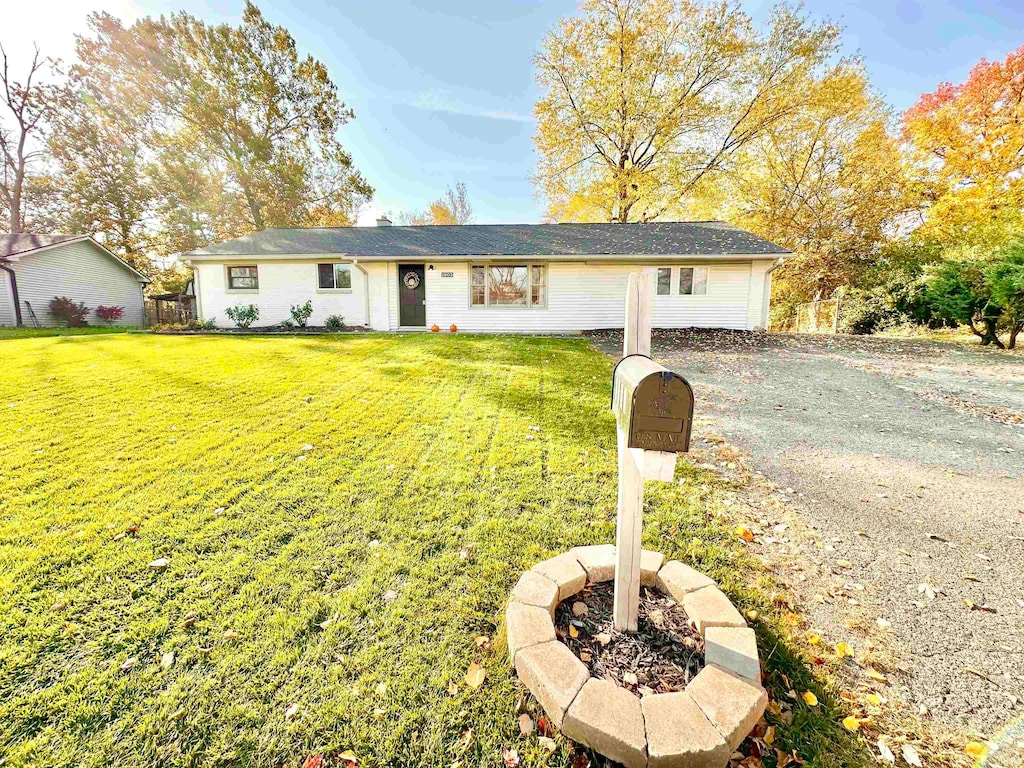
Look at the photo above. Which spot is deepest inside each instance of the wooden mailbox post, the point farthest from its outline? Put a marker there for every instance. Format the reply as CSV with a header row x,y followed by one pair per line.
x,y
653,410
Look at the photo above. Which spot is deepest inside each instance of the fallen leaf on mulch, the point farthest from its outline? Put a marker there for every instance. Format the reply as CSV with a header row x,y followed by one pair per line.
x,y
809,699
544,727
745,533
885,753
483,641
475,675
581,761
911,756
547,744
348,758
877,676
291,712
168,660
453,688
525,725
976,749
975,607
843,650
230,634
813,639
129,663
510,757
160,563
852,723
313,761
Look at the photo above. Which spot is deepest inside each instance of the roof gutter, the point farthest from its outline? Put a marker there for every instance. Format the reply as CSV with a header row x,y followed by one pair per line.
x,y
14,291
779,263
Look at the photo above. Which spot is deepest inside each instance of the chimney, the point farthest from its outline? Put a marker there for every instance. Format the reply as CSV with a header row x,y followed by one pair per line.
x,y
383,221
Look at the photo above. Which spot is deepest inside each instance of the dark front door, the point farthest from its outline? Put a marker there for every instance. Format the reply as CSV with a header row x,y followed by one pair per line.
x,y
412,295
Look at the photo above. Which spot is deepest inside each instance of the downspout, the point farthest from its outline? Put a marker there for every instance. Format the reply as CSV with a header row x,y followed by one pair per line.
x,y
14,292
366,290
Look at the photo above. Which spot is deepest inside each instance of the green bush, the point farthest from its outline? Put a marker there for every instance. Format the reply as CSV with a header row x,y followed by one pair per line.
x,y
243,315
301,313
335,323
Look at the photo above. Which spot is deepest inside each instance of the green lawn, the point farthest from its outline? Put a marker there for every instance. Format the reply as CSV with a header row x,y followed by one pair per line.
x,y
422,480
7,332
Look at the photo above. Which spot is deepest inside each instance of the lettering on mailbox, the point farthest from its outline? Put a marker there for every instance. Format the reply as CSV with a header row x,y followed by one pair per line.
x,y
652,404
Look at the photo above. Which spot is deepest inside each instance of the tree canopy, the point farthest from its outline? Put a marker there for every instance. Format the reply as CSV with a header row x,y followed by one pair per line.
x,y
967,144
643,100
171,133
453,208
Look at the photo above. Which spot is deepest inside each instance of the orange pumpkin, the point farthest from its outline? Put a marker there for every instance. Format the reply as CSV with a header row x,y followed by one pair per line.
x,y
435,328
454,328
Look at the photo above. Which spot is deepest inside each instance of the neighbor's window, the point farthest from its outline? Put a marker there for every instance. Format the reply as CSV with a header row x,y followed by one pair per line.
x,y
664,281
693,281
334,276
508,285
243,278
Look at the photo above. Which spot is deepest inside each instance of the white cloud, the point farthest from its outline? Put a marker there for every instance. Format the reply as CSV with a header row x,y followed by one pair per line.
x,y
435,100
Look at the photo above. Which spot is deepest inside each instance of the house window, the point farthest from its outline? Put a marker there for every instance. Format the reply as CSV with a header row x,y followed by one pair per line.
x,y
243,278
538,285
332,276
664,281
693,281
508,285
478,287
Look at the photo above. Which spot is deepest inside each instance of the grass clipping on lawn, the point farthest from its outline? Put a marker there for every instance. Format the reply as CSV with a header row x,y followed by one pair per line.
x,y
246,551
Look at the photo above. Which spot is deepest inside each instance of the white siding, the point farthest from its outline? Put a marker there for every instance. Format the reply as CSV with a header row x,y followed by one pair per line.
x,y
760,287
590,296
82,272
581,296
281,284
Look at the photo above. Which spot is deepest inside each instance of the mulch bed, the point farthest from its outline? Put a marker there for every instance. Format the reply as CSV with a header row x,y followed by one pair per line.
x,y
663,656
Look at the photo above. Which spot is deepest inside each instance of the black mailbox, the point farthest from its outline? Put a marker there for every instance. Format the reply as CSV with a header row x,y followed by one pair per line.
x,y
652,404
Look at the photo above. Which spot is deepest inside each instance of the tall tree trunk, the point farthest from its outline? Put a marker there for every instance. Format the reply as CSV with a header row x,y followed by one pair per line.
x,y
1015,328
255,208
17,219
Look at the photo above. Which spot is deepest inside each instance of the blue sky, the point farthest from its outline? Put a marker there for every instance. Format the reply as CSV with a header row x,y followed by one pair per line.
x,y
443,91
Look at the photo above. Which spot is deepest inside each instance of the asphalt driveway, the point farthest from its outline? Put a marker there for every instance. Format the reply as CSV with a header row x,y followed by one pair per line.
x,y
906,461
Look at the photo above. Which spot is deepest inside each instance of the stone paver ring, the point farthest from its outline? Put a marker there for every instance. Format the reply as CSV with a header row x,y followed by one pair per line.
x,y
698,727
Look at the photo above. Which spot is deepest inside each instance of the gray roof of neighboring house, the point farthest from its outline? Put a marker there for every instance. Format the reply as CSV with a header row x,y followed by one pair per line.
x,y
653,239
11,245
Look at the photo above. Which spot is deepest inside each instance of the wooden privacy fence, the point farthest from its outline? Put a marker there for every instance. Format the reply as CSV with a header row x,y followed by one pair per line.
x,y
176,309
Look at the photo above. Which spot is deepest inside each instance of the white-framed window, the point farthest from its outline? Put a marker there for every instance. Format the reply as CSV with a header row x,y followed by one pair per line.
x,y
333,276
693,281
508,285
243,278
664,281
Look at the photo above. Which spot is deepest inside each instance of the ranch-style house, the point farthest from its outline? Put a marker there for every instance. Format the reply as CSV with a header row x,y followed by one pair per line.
x,y
526,278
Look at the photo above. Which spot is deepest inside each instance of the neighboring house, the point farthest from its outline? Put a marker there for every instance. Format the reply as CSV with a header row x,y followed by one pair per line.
x,y
36,268
543,278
